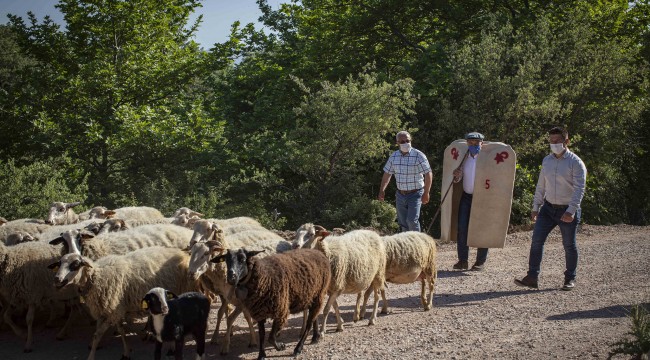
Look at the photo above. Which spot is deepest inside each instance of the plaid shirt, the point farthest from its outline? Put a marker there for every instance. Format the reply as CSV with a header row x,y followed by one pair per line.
x,y
409,169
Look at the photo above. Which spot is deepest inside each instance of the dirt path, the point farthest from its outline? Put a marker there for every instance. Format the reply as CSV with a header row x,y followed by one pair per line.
x,y
476,315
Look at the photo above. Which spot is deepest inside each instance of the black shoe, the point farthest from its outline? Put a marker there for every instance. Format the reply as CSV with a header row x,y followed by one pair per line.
x,y
527,281
461,265
569,285
478,266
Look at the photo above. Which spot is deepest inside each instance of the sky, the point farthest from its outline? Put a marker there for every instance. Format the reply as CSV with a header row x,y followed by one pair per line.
x,y
218,15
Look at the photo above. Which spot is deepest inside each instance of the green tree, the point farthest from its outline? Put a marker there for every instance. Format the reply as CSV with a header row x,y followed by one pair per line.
x,y
123,99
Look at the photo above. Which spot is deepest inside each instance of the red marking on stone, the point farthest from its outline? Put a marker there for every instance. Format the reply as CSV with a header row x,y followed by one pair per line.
x,y
501,157
454,153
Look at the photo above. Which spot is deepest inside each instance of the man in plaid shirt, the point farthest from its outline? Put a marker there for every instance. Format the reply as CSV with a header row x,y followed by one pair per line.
x,y
413,176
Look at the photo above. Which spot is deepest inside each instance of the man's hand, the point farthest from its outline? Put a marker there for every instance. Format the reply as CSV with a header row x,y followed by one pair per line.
x,y
380,197
425,198
458,174
567,217
533,216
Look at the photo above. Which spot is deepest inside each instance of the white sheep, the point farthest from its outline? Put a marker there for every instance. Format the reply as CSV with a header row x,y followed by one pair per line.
x,y
18,238
112,286
204,230
135,213
61,213
123,242
188,212
410,256
28,226
25,281
358,261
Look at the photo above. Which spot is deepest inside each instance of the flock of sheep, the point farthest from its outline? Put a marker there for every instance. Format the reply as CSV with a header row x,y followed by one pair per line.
x,y
125,264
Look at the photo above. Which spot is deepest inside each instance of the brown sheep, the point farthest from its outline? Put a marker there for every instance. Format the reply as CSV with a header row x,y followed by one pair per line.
x,y
279,285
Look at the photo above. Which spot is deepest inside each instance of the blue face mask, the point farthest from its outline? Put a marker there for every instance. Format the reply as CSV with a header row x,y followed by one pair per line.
x,y
474,149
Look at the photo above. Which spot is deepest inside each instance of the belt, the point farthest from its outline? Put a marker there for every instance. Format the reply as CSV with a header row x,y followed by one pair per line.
x,y
554,206
406,192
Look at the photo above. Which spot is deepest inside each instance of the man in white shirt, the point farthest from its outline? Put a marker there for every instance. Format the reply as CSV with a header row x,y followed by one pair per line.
x,y
560,189
468,174
413,177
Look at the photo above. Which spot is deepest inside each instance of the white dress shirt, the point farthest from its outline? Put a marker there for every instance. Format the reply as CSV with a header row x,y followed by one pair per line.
x,y
469,173
561,182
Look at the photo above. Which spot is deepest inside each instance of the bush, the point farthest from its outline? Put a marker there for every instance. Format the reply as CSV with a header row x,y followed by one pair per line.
x,y
639,346
28,190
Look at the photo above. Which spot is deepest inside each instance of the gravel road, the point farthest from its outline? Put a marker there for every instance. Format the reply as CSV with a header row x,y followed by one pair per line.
x,y
476,315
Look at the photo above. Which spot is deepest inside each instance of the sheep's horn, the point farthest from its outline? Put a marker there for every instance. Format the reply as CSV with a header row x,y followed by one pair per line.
x,y
318,227
71,205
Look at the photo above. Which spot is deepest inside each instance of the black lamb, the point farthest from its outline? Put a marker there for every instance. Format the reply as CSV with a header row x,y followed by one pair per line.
x,y
173,317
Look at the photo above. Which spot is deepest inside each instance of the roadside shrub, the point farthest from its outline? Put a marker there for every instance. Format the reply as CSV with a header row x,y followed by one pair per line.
x,y
639,345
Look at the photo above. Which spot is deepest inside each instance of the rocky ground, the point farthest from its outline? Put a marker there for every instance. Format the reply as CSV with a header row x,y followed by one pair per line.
x,y
476,315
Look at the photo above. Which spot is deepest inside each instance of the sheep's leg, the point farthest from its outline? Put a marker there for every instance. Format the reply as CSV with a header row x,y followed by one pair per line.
x,y
357,309
30,328
157,354
7,318
331,300
384,302
102,326
278,323
230,320
199,337
260,325
431,281
312,315
125,344
304,321
373,317
251,329
178,351
362,314
222,309
339,319
64,330
51,321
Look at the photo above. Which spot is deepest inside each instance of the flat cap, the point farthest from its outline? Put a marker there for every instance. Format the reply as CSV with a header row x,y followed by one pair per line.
x,y
474,136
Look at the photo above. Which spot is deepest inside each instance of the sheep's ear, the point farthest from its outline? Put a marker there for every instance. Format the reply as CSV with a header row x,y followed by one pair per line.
x,y
188,248
144,305
218,259
194,213
319,228
109,213
323,234
57,241
85,263
170,295
215,246
54,266
217,229
85,234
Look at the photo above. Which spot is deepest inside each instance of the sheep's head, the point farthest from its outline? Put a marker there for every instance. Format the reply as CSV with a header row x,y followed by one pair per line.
x,y
19,237
200,255
206,230
100,212
94,227
113,225
73,240
3,221
155,301
187,211
58,212
305,235
186,221
69,269
237,262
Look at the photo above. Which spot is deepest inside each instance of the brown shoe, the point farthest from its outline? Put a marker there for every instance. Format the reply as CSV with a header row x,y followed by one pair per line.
x,y
527,281
461,265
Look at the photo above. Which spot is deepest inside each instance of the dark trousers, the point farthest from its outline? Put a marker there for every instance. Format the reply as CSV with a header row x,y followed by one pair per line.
x,y
464,211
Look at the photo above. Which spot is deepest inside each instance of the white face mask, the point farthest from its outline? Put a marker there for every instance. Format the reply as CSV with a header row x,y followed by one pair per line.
x,y
557,148
405,147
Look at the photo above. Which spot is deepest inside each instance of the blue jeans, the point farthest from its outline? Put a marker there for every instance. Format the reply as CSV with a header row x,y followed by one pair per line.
x,y
464,211
408,210
547,219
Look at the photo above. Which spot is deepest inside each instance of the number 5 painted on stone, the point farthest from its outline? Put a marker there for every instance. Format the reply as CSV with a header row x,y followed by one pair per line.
x,y
487,183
